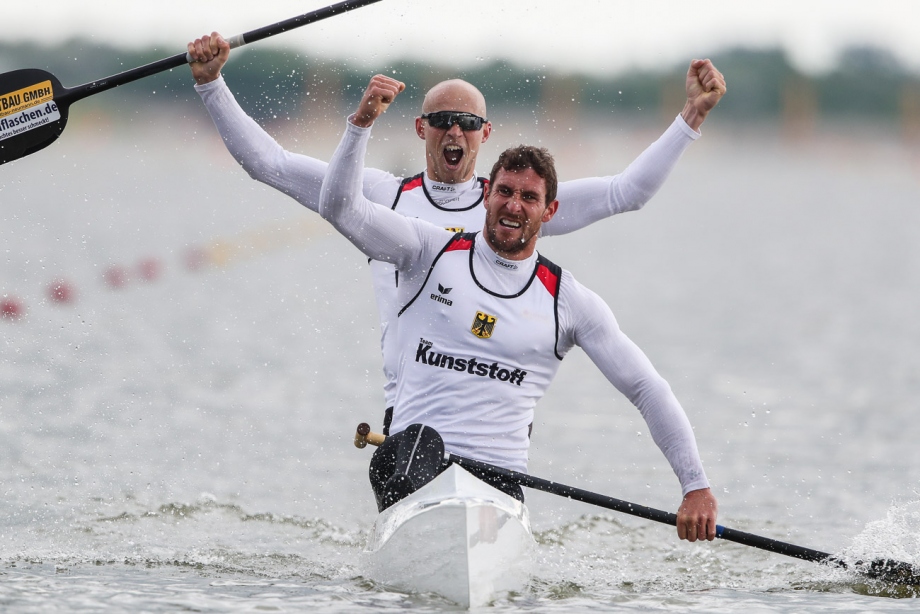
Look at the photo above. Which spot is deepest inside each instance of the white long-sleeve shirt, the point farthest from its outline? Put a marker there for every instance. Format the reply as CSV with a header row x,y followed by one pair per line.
x,y
412,245
581,201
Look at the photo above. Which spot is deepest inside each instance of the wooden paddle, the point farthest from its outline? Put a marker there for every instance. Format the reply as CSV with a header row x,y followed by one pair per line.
x,y
34,104
879,569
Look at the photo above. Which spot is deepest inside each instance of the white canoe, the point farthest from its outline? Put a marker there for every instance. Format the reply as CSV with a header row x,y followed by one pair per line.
x,y
457,536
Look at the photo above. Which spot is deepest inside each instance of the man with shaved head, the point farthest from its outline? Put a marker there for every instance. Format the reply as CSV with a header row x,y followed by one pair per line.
x,y
454,125
449,155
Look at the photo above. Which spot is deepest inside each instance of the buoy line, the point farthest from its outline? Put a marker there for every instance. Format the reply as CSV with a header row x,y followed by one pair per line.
x,y
220,253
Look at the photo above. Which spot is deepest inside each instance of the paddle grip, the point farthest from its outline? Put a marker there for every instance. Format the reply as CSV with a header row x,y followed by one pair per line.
x,y
364,436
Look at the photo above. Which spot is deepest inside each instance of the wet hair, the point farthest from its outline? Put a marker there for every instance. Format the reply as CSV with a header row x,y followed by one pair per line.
x,y
521,158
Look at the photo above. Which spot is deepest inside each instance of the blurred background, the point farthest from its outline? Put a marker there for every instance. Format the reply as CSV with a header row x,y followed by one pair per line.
x,y
184,352
789,62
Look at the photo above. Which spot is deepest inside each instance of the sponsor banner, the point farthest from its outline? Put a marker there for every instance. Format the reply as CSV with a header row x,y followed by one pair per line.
x,y
25,98
28,119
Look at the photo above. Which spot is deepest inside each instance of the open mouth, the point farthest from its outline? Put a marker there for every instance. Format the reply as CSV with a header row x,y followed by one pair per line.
x,y
453,154
509,223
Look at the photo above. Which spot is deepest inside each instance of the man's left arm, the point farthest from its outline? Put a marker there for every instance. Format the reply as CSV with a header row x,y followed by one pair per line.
x,y
588,322
585,201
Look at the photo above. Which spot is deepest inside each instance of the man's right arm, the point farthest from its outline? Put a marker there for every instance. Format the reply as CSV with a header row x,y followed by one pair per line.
x,y
298,176
380,233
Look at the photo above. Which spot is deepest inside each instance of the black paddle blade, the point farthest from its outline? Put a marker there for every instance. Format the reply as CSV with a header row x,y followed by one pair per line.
x,y
31,116
890,571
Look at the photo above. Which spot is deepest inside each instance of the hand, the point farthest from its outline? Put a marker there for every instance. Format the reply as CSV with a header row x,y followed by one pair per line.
x,y
380,93
705,88
209,53
696,518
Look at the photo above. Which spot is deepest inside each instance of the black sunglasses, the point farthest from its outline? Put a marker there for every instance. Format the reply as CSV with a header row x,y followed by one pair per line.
x,y
445,119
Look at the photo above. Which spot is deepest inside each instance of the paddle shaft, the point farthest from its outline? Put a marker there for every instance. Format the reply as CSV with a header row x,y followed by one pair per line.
x,y
641,511
881,569
884,569
364,436
94,87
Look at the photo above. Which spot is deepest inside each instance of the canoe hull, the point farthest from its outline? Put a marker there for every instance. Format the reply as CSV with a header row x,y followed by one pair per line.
x,y
457,537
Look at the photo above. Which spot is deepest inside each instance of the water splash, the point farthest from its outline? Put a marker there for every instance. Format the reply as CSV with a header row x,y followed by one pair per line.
x,y
897,536
895,539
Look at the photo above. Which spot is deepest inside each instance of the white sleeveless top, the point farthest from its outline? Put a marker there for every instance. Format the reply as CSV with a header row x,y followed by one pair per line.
x,y
413,199
457,339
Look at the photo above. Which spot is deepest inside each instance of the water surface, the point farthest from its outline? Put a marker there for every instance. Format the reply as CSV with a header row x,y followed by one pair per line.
x,y
185,442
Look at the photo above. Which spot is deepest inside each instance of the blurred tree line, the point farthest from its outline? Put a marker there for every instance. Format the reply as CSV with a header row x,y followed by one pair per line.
x,y
867,83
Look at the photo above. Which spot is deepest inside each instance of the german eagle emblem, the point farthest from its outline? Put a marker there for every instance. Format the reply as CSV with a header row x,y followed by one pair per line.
x,y
483,325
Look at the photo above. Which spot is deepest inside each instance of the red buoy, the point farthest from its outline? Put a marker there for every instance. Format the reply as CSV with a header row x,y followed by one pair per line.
x,y
115,276
61,291
195,258
11,308
149,269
